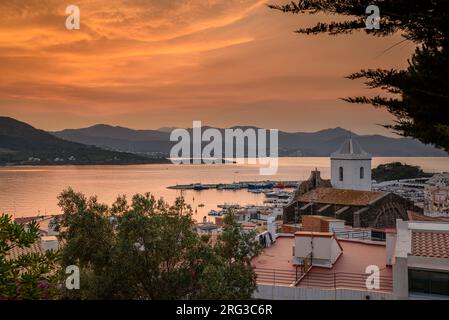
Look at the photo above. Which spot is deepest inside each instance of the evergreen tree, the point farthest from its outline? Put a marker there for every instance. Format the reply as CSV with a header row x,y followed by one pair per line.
x,y
420,92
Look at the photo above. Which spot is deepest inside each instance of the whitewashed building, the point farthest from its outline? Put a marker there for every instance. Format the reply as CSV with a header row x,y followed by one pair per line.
x,y
421,260
436,196
351,167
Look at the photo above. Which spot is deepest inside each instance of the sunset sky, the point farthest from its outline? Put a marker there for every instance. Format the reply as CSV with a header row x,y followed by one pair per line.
x,y
157,63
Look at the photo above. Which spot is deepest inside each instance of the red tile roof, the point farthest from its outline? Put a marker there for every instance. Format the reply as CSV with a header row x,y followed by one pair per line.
x,y
15,252
430,244
25,220
414,216
341,196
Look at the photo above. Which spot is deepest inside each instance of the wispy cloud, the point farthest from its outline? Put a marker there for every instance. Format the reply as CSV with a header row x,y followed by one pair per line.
x,y
177,60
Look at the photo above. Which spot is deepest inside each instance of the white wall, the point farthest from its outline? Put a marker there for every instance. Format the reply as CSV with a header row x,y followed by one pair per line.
x,y
351,174
335,251
302,247
400,278
336,225
270,292
390,247
324,248
271,227
49,243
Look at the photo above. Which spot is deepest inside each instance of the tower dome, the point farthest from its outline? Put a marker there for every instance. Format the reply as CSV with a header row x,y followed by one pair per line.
x,y
351,167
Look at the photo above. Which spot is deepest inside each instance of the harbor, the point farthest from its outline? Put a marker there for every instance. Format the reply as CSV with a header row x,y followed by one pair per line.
x,y
277,194
252,186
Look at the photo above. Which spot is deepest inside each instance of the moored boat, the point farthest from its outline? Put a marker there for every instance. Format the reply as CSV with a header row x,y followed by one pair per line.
x,y
199,187
215,213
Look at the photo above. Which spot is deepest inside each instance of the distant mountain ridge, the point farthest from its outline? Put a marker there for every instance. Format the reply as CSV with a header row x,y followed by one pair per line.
x,y
21,143
312,144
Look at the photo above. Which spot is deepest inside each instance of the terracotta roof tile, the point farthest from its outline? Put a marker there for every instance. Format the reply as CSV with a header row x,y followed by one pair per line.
x,y
15,252
414,216
430,244
341,196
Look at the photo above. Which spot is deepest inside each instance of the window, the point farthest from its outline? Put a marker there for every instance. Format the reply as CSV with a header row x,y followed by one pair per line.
x,y
340,173
362,173
430,282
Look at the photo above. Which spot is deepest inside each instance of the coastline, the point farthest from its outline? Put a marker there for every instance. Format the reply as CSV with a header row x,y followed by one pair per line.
x,y
168,161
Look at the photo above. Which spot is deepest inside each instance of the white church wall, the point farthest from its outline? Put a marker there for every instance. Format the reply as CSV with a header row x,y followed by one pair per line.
x,y
351,174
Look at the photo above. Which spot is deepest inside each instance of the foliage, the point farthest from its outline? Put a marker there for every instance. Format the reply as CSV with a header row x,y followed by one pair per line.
x,y
231,276
27,275
397,171
417,96
148,249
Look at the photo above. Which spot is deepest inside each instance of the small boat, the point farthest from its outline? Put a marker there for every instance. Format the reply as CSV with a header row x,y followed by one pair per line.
x,y
234,186
262,185
199,187
270,194
276,201
215,213
257,191
278,194
229,206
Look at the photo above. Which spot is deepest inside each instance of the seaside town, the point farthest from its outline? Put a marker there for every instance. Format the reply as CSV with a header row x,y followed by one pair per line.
x,y
223,158
321,237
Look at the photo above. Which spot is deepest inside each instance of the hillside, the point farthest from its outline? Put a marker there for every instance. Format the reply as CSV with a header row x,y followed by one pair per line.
x,y
20,143
315,144
398,171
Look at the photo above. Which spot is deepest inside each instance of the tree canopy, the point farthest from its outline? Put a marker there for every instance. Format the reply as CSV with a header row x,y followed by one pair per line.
x,y
417,96
147,249
397,171
25,273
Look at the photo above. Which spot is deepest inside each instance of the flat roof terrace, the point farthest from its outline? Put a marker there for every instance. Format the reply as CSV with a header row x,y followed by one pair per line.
x,y
275,266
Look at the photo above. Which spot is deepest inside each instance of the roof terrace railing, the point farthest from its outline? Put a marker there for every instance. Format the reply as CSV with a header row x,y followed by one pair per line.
x,y
360,235
323,280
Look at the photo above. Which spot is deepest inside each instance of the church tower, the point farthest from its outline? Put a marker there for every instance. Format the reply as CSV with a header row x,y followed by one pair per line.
x,y
351,167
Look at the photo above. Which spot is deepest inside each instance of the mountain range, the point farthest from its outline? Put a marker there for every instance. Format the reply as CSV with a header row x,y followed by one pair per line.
x,y
314,144
20,143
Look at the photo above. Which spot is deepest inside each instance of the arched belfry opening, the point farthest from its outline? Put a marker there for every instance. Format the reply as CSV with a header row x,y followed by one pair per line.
x,y
351,167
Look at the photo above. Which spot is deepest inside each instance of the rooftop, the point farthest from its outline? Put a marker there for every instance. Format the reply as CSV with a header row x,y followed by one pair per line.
x,y
206,226
357,256
430,244
351,149
424,239
25,220
439,180
314,234
414,216
341,196
278,256
276,263
15,252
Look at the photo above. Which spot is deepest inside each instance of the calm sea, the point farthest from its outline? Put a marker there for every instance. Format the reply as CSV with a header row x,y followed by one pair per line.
x,y
27,191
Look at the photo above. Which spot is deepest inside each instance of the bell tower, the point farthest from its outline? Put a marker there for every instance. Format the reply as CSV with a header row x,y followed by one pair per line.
x,y
351,167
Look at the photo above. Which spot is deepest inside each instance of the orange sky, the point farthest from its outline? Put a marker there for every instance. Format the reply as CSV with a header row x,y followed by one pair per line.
x,y
156,63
